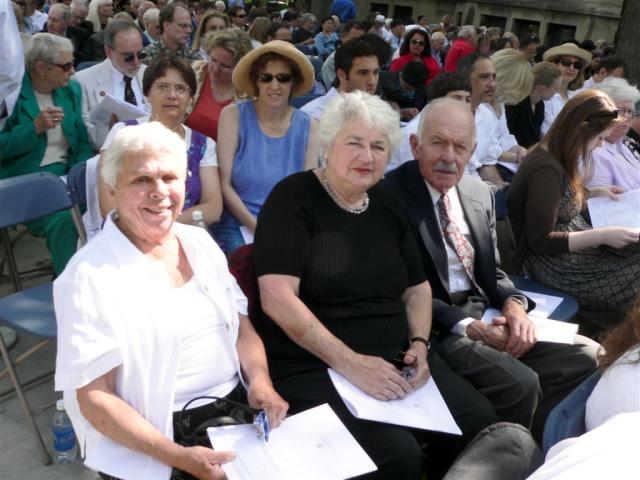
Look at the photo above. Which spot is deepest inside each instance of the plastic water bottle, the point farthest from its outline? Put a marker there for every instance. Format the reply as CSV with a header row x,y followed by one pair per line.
x,y
197,219
64,438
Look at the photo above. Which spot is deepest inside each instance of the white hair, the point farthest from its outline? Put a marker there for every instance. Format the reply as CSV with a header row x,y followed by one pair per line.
x,y
93,16
369,110
449,104
438,36
46,47
467,32
619,90
137,138
152,15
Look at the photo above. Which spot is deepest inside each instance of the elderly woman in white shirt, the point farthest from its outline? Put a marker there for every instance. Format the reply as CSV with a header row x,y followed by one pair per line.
x,y
149,317
614,163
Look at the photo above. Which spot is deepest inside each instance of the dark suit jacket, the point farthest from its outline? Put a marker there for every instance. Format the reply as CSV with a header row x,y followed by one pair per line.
x,y
407,184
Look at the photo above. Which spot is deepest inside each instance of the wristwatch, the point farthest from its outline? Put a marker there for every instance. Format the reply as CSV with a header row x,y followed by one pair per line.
x,y
417,338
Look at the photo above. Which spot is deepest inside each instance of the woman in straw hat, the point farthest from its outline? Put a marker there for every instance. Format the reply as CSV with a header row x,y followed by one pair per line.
x,y
571,60
264,139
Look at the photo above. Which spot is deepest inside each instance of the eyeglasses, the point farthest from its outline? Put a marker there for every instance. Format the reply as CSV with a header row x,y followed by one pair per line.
x,y
417,42
130,57
65,67
280,77
179,88
626,112
240,15
565,62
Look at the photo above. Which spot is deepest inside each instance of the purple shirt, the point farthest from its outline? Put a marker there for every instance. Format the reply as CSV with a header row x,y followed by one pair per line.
x,y
615,164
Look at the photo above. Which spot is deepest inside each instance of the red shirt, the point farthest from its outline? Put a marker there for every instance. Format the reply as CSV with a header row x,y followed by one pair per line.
x,y
206,114
459,49
431,63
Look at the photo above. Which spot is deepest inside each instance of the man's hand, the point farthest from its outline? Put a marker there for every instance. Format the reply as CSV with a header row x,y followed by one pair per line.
x,y
262,395
495,336
522,331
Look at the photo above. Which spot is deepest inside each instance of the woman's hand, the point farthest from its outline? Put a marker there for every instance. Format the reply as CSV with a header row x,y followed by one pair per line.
x,y
377,377
48,118
417,359
610,191
204,463
262,395
618,237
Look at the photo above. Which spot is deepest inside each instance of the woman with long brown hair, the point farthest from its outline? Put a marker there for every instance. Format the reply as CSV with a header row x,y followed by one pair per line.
x,y
600,267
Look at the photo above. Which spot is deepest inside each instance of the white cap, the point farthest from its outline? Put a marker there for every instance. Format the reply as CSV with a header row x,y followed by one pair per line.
x,y
196,215
60,404
380,18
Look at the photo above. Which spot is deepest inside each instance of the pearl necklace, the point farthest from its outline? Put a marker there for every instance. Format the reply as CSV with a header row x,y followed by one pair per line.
x,y
339,202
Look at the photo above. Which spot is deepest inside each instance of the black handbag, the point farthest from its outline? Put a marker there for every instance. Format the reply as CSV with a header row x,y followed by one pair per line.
x,y
191,427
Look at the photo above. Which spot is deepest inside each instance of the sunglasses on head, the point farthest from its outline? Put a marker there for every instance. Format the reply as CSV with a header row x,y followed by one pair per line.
x,y
417,42
565,62
613,114
280,77
130,57
65,67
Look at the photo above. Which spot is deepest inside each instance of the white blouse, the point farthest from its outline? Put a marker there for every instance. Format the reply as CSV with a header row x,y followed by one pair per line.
x,y
113,312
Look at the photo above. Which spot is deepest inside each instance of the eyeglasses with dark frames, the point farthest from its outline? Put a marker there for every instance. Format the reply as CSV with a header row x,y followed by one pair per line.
x,y
129,57
417,42
65,67
280,77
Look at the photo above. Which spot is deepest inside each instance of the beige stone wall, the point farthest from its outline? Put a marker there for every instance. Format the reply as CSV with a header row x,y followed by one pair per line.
x,y
592,19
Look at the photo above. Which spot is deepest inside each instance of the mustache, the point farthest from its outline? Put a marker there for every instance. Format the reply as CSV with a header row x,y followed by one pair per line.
x,y
445,167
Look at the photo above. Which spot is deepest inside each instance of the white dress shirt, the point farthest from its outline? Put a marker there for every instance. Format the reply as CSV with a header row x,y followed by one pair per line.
x,y
118,84
458,279
112,310
552,108
315,108
488,147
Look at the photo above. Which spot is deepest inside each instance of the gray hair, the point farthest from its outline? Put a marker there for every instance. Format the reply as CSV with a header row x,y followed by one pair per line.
x,y
308,17
46,47
438,36
93,16
78,3
64,10
114,27
619,90
138,138
466,33
449,104
151,15
369,110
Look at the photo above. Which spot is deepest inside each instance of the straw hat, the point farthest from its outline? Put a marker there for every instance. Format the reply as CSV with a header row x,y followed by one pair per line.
x,y
242,80
568,50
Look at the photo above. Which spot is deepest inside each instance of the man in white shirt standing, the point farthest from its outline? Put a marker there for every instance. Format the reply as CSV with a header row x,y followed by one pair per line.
x,y
119,75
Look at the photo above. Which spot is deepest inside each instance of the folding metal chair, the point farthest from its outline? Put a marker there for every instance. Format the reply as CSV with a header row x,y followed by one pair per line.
x,y
30,311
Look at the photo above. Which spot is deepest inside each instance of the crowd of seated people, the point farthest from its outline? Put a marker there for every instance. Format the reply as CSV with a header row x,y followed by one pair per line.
x,y
372,209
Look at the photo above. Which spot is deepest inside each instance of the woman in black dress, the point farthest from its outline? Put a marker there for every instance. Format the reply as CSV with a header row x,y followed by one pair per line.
x,y
340,278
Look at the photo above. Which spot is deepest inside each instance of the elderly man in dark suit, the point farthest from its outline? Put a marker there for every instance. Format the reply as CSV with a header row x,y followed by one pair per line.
x,y
454,223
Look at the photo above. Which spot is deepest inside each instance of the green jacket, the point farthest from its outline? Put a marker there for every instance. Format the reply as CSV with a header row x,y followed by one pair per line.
x,y
22,149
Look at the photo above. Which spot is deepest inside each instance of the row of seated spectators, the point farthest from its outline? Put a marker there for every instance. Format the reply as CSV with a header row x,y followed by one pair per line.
x,y
241,137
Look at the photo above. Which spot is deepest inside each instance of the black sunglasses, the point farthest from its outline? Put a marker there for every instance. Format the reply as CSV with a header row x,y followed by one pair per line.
x,y
280,77
240,16
64,66
417,42
565,62
129,57
613,114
